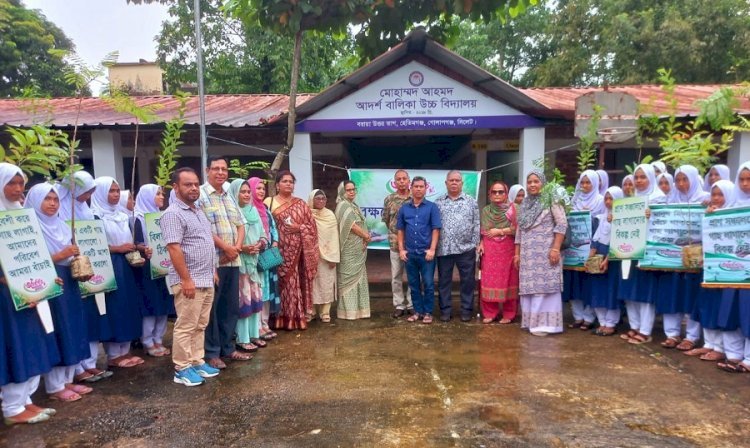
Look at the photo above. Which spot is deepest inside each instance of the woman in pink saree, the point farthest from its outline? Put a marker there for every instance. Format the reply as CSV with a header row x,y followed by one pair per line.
x,y
499,276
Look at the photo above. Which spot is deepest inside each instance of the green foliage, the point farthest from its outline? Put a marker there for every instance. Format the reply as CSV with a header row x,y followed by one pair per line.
x,y
36,150
170,144
587,146
244,57
554,190
630,169
597,42
24,59
242,170
693,142
122,102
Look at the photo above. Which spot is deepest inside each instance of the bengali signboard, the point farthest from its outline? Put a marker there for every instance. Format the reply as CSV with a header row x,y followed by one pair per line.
x,y
412,97
160,261
670,228
726,248
629,226
580,239
25,259
373,185
92,240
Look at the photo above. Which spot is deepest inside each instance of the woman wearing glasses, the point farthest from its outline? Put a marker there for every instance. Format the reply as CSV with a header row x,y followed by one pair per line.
x,y
499,276
354,293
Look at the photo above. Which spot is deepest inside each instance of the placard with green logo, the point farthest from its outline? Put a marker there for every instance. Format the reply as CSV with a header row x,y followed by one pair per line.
x,y
25,259
160,261
726,248
576,255
373,185
629,225
670,228
92,240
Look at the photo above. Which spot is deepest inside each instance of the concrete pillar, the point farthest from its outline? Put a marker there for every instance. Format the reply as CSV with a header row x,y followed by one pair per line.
x,y
739,153
300,163
145,174
531,149
106,149
480,163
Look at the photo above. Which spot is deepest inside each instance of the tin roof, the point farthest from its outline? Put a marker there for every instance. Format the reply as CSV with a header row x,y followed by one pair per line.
x,y
562,100
221,110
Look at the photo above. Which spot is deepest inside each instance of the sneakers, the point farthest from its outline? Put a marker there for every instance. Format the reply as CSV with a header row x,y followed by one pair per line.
x,y
206,371
189,377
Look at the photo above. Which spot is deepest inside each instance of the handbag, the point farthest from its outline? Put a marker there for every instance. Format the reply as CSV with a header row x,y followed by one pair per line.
x,y
593,264
270,257
692,254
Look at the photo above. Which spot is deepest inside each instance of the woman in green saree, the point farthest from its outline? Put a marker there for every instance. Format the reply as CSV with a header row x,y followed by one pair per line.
x,y
354,293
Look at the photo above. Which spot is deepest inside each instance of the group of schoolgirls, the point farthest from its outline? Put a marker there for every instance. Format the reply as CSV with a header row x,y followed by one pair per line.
x,y
138,309
721,317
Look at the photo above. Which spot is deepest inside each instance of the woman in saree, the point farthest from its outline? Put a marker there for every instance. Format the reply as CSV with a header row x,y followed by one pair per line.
x,y
541,229
298,243
251,286
499,275
354,292
270,278
324,286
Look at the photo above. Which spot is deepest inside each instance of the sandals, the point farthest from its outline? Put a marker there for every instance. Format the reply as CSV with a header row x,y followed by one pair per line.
x,y
99,374
325,318
125,361
164,349
639,339
79,389
575,324
40,410
585,326
685,345
697,351
629,335
427,319
239,356
86,377
260,343
413,318
712,356
487,320
65,395
605,331
155,351
733,367
505,321
27,417
671,342
248,347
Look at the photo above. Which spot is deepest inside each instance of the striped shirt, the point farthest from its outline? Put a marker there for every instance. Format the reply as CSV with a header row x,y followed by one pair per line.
x,y
224,216
189,228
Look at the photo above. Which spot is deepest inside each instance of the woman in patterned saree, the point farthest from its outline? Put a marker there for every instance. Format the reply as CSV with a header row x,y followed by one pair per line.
x,y
324,287
298,243
354,293
541,229
499,276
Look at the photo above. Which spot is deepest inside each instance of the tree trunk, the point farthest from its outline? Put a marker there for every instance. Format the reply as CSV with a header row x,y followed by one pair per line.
x,y
292,113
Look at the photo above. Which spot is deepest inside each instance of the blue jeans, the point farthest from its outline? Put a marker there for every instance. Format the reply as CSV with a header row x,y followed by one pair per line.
x,y
421,274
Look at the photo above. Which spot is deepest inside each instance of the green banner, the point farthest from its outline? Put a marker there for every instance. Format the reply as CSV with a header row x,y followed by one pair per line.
x,y
92,240
25,259
373,185
670,228
160,261
580,239
726,247
629,226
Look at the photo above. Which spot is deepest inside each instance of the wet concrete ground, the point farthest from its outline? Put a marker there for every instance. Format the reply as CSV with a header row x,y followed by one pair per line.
x,y
385,382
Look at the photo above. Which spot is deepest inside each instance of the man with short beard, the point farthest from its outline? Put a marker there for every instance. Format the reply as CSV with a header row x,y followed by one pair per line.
x,y
391,205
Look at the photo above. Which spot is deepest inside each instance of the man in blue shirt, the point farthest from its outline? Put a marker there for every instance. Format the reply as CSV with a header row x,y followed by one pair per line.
x,y
418,232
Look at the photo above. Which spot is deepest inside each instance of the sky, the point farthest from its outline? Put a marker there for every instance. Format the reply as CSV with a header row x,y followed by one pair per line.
x,y
98,27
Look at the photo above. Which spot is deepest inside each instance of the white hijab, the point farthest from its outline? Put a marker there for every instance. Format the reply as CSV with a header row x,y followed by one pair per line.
x,y
145,203
84,183
654,194
115,222
56,232
604,230
723,171
695,193
727,189
593,200
7,172
741,198
603,181
514,190
659,165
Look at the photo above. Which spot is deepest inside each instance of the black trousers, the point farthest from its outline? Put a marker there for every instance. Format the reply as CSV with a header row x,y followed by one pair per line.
x,y
466,264
224,314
